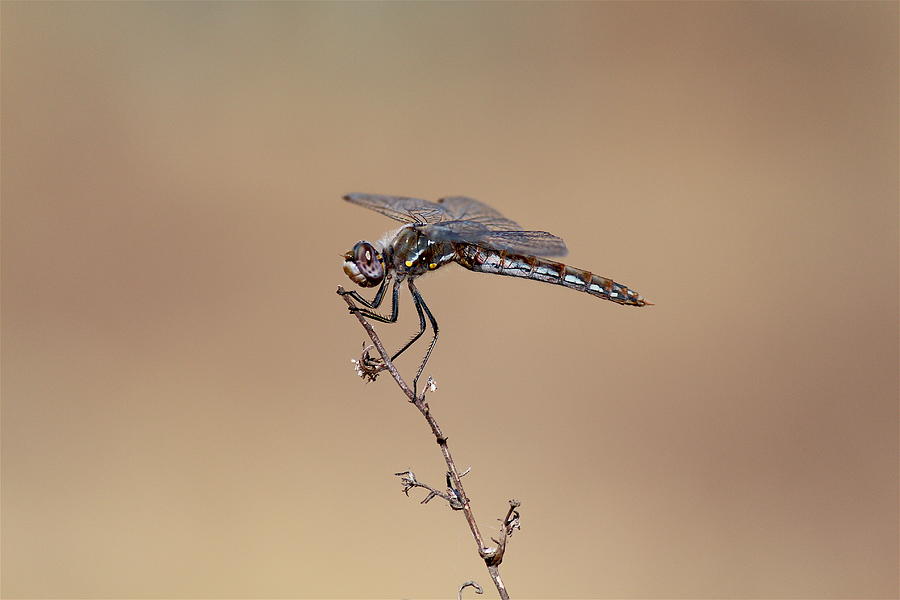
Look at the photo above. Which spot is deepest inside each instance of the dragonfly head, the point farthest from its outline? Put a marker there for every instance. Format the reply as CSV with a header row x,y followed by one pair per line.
x,y
364,265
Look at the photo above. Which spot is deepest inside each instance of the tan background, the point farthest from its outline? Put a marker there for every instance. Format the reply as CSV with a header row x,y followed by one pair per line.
x,y
180,417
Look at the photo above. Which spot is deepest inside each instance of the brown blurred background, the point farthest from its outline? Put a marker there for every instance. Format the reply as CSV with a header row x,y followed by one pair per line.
x,y
180,415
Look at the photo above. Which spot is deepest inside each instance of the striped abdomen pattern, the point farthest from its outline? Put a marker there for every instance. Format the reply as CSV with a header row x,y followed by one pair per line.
x,y
485,260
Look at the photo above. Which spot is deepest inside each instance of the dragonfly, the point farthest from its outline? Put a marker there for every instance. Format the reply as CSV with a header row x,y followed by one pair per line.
x,y
471,234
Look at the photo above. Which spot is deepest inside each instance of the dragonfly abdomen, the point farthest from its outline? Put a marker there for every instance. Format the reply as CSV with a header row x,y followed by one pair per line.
x,y
498,262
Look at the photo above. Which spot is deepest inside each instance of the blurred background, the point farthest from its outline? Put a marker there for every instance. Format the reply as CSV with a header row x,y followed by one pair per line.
x,y
180,415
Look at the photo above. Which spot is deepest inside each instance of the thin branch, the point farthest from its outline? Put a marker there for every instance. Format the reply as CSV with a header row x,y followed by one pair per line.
x,y
509,524
478,589
408,478
369,368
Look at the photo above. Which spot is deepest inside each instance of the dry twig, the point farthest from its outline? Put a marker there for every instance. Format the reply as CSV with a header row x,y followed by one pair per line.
x,y
369,368
478,589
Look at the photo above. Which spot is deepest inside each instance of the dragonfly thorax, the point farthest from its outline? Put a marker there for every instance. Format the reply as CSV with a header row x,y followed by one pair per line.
x,y
413,253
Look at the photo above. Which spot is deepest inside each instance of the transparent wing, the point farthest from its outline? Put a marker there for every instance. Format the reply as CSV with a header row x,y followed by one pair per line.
x,y
399,208
462,219
461,208
538,243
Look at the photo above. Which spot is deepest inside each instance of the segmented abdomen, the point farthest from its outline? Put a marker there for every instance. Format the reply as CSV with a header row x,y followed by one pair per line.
x,y
485,260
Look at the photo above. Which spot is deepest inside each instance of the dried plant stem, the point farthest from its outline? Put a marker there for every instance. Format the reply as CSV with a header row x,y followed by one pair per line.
x,y
491,555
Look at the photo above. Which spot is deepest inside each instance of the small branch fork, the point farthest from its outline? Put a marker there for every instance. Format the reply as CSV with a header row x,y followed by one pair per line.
x,y
369,368
452,496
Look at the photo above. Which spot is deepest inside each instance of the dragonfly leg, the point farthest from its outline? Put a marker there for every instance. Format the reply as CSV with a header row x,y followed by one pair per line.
x,y
420,302
379,295
418,334
395,305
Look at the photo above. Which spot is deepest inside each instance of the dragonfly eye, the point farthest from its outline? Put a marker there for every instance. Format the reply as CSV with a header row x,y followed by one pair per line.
x,y
364,265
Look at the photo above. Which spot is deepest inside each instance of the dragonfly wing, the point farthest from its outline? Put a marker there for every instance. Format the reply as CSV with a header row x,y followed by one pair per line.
x,y
461,208
399,208
462,219
537,243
